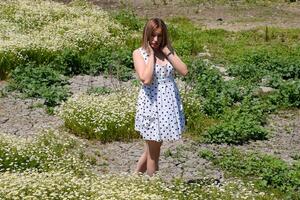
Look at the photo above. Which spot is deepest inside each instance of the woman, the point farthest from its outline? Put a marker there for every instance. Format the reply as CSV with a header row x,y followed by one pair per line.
x,y
159,115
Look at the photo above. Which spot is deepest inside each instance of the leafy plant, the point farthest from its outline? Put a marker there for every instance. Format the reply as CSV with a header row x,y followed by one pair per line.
x,y
288,94
40,82
236,129
128,19
196,121
99,90
206,154
266,170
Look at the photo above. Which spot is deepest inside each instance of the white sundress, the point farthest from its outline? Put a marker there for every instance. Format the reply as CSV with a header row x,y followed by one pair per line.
x,y
159,111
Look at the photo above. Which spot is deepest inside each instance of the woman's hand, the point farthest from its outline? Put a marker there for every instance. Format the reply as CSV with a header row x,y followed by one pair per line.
x,y
166,50
175,60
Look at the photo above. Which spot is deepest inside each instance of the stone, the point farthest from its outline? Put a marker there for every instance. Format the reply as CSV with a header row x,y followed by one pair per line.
x,y
228,78
204,54
265,89
3,120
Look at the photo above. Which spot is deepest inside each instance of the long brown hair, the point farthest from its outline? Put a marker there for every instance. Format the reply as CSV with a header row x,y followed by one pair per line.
x,y
151,26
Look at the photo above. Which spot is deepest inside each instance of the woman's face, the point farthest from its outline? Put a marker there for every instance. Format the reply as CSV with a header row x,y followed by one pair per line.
x,y
155,39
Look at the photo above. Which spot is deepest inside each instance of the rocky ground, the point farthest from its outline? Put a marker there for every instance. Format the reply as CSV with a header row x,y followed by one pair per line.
x,y
181,159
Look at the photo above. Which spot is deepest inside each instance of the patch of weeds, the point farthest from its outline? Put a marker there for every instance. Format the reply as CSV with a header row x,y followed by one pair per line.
x,y
50,110
128,19
99,90
92,160
206,154
135,82
236,130
168,153
175,154
36,105
2,94
98,153
267,171
103,164
296,156
288,129
41,82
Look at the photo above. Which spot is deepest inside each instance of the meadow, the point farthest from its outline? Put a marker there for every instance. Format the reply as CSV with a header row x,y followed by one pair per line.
x,y
45,43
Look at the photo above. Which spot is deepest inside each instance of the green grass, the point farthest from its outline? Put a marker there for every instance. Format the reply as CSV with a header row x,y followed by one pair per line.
x,y
226,46
268,172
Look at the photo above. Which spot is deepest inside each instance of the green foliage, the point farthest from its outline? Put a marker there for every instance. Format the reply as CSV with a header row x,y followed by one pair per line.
x,y
215,104
196,121
229,47
236,129
288,94
4,91
218,98
133,26
128,19
196,68
206,154
121,64
273,80
99,90
41,82
236,90
259,63
259,107
267,170
208,83
247,71
221,99
232,106
52,33
184,36
93,61
8,61
242,123
233,3
218,95
251,59
69,62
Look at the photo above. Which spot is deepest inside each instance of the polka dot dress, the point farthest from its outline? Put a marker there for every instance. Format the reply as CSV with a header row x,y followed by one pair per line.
x,y
159,110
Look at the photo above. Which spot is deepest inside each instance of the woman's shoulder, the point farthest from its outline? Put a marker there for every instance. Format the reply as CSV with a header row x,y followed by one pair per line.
x,y
140,50
136,51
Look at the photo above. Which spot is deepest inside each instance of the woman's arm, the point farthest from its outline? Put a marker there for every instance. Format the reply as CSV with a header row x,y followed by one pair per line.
x,y
143,70
175,61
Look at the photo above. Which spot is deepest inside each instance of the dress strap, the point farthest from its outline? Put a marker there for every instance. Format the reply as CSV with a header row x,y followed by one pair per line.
x,y
144,54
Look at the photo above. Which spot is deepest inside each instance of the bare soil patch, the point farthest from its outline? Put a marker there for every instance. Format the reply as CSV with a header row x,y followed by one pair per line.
x,y
233,17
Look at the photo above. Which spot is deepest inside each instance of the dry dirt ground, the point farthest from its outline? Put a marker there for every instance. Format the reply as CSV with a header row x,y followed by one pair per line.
x,y
233,16
178,159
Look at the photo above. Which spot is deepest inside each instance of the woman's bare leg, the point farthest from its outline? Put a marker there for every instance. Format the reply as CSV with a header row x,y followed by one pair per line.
x,y
142,163
153,156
